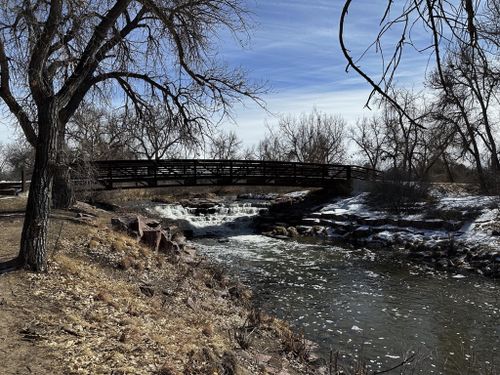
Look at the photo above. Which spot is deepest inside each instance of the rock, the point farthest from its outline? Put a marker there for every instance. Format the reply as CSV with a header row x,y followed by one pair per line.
x,y
147,290
240,292
304,230
262,358
168,246
310,221
333,216
324,222
152,238
120,224
377,244
341,226
280,231
361,232
134,225
191,303
432,224
80,215
442,264
318,229
292,232
178,237
189,254
373,221
137,226
453,225
427,256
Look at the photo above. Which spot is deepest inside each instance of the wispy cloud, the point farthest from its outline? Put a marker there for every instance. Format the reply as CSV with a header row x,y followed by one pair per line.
x,y
250,122
295,48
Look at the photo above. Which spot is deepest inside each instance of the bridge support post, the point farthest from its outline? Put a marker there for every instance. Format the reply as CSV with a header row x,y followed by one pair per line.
x,y
110,178
231,172
195,179
153,175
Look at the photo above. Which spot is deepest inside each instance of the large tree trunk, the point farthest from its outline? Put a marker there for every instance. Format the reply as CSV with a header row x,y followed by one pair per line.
x,y
33,253
63,195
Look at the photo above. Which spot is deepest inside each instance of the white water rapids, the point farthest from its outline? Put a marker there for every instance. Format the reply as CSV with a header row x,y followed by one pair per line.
x,y
219,220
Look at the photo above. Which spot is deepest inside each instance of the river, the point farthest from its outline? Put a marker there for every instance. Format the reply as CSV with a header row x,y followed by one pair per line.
x,y
363,304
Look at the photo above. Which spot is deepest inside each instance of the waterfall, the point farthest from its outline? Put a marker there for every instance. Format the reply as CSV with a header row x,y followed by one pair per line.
x,y
218,220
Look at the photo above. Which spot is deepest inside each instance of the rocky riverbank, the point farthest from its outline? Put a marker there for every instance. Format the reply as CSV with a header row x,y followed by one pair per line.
x,y
134,298
451,232
455,233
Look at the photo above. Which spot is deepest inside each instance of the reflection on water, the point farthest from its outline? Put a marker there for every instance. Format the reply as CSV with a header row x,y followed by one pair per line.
x,y
366,306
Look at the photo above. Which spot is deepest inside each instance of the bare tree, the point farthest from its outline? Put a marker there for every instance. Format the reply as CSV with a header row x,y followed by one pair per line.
x,y
19,155
404,138
159,134
249,153
271,148
97,134
463,40
468,99
312,138
55,54
3,161
225,145
445,22
368,135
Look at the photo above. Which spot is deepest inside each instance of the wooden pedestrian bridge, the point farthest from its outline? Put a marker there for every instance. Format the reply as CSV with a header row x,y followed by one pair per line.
x,y
126,174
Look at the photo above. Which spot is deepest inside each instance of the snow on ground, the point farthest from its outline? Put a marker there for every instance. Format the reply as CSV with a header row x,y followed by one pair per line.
x,y
469,202
473,232
351,206
297,194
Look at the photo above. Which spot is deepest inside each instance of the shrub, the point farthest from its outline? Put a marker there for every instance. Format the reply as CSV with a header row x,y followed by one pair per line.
x,y
397,195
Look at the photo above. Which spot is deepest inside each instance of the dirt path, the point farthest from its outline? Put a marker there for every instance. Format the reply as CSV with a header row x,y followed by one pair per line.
x,y
20,349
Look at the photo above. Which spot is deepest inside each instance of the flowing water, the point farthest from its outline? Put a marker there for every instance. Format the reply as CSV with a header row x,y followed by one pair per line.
x,y
360,303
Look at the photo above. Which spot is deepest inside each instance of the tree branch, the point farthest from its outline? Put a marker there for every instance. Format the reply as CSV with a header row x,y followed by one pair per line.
x,y
8,98
40,87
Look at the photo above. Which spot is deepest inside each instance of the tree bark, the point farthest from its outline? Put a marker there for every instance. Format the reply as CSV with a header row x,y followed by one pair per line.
x,y
33,253
63,195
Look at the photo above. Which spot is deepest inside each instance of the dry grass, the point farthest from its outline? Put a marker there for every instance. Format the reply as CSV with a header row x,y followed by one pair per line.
x,y
95,316
295,345
8,204
175,193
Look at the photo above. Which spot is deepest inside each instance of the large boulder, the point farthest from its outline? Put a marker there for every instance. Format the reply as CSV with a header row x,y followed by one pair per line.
x,y
168,246
152,238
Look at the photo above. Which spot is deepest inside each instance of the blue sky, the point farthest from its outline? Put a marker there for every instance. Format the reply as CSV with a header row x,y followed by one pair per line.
x,y
294,47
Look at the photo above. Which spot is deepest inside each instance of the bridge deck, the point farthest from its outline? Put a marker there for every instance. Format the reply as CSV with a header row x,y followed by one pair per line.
x,y
119,174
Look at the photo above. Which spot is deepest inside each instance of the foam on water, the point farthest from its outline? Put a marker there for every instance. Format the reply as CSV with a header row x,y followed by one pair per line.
x,y
222,219
366,308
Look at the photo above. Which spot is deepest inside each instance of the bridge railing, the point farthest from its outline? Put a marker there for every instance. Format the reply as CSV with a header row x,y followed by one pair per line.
x,y
231,172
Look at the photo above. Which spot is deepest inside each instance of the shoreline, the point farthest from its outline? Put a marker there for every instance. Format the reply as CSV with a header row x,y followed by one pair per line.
x,y
449,239
122,260
153,312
